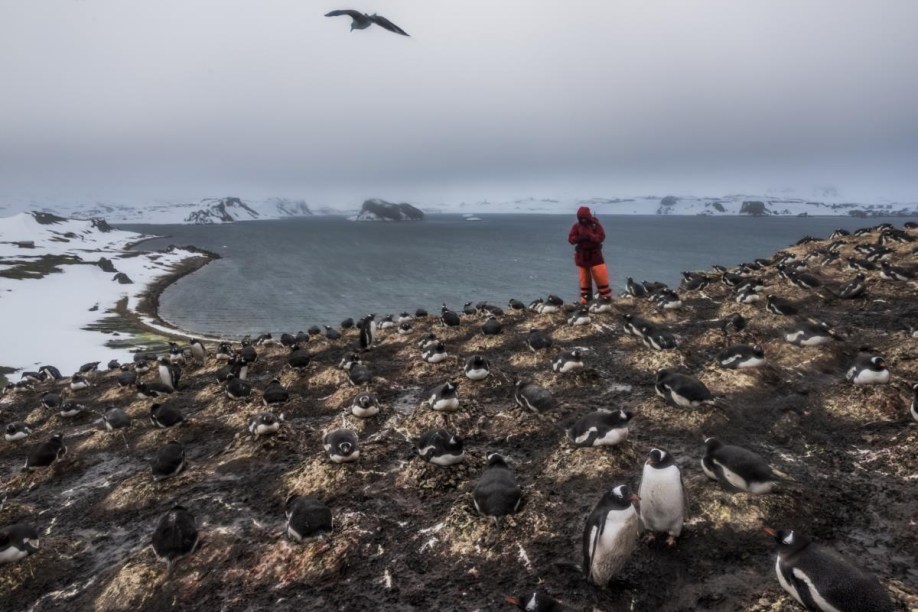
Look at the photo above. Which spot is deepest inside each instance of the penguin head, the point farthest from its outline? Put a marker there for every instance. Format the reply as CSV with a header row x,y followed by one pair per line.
x,y
788,540
58,439
163,359
625,415
454,443
345,447
878,363
449,387
663,373
758,351
659,458
496,459
712,443
620,496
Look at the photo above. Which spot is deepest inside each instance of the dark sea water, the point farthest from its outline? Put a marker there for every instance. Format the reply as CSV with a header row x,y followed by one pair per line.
x,y
286,275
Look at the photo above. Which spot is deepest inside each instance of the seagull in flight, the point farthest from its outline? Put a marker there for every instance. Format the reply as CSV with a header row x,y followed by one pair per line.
x,y
362,21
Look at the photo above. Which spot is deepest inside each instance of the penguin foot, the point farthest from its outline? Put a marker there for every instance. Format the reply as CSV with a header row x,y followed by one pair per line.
x,y
671,541
650,537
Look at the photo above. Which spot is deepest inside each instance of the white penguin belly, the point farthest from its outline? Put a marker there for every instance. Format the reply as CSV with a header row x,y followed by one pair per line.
x,y
870,377
612,437
754,362
818,599
816,341
614,545
785,584
662,505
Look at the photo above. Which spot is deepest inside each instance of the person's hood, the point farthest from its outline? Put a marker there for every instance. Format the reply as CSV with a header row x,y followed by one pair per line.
x,y
584,213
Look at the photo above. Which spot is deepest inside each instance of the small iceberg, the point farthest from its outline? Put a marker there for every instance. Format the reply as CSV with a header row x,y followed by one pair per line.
x,y
472,218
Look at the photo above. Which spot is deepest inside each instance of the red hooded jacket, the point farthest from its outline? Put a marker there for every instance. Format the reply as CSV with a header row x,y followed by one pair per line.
x,y
587,236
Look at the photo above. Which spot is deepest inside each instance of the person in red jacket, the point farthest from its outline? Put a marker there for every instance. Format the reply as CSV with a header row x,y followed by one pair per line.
x,y
587,236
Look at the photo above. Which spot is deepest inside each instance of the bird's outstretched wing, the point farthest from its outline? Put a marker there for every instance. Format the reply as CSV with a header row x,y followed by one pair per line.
x,y
385,23
349,12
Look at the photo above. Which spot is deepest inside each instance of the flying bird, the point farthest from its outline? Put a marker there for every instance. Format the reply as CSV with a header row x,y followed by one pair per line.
x,y
361,21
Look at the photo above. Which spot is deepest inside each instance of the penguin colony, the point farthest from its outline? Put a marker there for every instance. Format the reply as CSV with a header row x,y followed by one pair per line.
x,y
461,459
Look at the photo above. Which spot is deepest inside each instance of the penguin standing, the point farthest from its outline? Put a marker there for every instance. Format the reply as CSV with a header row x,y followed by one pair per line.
x,y
821,579
46,454
610,535
531,396
306,517
477,368
169,373
634,289
440,447
600,428
449,318
737,468
198,353
341,445
868,369
17,542
247,356
568,361
662,496
176,535
168,461
497,493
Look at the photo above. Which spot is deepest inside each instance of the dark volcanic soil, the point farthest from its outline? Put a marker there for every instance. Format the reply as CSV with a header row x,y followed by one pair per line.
x,y
406,533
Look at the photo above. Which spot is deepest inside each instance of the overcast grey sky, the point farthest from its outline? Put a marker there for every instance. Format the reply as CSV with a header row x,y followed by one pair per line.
x,y
488,98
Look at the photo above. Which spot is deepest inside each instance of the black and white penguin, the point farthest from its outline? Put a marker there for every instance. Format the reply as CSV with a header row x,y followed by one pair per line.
x,y
236,388
288,340
821,579
387,322
682,390
468,309
806,281
404,328
853,288
440,447
810,333
341,445
435,353
265,339
264,423
693,281
33,377
224,352
610,535
860,265
741,356
20,431
449,318
176,354
535,601
71,409
92,366
127,377
405,317
580,316
169,373
492,327
51,372
568,361
537,341
45,454
51,401
307,517
420,313
164,416
515,304
657,339
152,390
364,405
367,326
444,398
427,340
531,396
868,369
115,418
652,287
600,306
298,358
347,323
477,368
17,542
730,279
632,325
359,374
78,382
780,306
332,333
894,273
247,356
176,535
600,428
275,393
737,468
142,366
198,352
634,289
536,305
168,461
349,360
913,409
497,493
667,299
662,496
747,296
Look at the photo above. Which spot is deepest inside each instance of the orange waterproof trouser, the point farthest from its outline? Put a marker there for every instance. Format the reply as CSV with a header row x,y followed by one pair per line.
x,y
601,275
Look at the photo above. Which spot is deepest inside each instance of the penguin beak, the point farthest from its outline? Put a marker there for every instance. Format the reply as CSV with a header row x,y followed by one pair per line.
x,y
769,531
513,601
634,497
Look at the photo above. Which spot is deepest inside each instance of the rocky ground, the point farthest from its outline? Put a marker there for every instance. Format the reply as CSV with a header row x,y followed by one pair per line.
x,y
406,533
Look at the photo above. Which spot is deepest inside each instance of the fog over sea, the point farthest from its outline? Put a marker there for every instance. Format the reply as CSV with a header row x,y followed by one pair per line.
x,y
286,275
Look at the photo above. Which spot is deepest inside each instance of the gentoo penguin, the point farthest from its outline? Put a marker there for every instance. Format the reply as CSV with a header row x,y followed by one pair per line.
x,y
536,305
51,401
839,233
71,409
657,339
127,378
497,493
115,418
152,390
367,327
51,372
477,368
810,333
652,287
821,579
404,328
445,397
667,300
331,333
364,405
163,415
347,323
580,316
733,322
535,601
142,366
169,373
427,341
358,373
516,304
17,542
682,390
306,517
298,358
600,306
435,353
33,377
405,317
610,535
730,279
568,361
537,341
78,382
468,309
600,428
20,431
387,322
692,281
275,393
175,536
449,318
741,356
492,327
440,447
314,330
232,367
806,281
894,273
224,352
868,369
552,304
737,468
288,340
747,296
913,410
780,306
247,356
635,289
341,445
264,423
236,388
198,352
860,265
632,325
45,454
176,354
92,366
531,396
168,461
854,288
420,313
662,496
